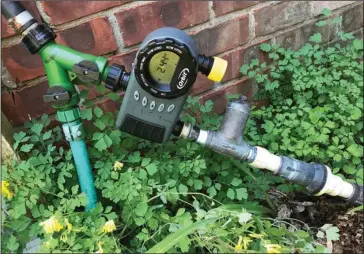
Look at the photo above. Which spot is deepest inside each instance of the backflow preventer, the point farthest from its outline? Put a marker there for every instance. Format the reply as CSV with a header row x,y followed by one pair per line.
x,y
228,140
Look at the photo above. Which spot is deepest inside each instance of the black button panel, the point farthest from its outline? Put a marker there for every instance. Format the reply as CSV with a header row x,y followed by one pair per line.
x,y
142,129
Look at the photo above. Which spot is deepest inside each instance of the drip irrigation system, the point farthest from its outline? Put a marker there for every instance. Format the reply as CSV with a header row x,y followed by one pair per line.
x,y
164,71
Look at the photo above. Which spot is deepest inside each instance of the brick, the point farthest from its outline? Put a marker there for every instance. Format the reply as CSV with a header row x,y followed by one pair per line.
x,y
242,56
318,6
297,38
94,37
18,104
218,97
225,36
272,18
223,7
60,12
21,64
136,23
7,31
353,18
202,84
125,59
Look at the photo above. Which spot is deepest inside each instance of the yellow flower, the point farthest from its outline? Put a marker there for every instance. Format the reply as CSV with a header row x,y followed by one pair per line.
x,y
273,248
69,225
118,165
51,225
5,190
259,236
239,247
246,242
100,250
109,227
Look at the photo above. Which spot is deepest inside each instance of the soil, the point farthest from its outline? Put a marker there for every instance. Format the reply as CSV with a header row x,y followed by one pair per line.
x,y
303,212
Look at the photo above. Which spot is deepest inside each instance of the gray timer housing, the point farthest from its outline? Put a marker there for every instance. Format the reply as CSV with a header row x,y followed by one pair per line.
x,y
144,115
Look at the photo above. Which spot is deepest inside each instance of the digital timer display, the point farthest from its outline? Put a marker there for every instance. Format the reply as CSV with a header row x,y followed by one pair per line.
x,y
162,67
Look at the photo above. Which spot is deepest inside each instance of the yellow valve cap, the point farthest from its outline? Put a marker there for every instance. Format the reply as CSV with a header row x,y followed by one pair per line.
x,y
218,69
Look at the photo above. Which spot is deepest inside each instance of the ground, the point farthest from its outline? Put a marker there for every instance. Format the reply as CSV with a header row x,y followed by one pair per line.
x,y
314,212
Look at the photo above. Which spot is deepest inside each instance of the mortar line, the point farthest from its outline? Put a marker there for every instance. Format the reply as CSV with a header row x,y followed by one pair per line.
x,y
253,42
226,18
212,14
103,13
42,13
116,32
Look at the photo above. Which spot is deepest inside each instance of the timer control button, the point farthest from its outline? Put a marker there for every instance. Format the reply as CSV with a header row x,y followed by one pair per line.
x,y
161,107
145,101
136,95
170,108
152,105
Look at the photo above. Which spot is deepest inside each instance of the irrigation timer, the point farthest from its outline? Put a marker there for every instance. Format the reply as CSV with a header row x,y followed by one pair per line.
x,y
164,71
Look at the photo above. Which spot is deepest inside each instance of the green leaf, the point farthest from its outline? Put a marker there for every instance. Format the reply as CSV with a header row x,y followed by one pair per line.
x,y
103,143
332,234
37,128
274,146
316,38
254,62
146,161
12,244
84,94
47,135
100,124
326,12
141,209
337,157
358,44
236,181
230,193
115,136
241,193
19,136
113,96
244,69
355,150
98,111
143,174
173,239
211,191
97,136
182,188
197,184
265,47
321,23
26,148
86,114
151,169
139,221
74,190
135,157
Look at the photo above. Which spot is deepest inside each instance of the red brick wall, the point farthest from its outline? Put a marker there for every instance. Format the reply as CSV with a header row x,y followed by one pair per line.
x,y
230,29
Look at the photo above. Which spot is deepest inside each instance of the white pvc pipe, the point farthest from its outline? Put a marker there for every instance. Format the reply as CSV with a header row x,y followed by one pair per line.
x,y
266,160
335,186
202,137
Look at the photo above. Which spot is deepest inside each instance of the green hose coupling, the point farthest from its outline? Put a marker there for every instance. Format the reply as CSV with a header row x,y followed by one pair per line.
x,y
73,131
67,116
